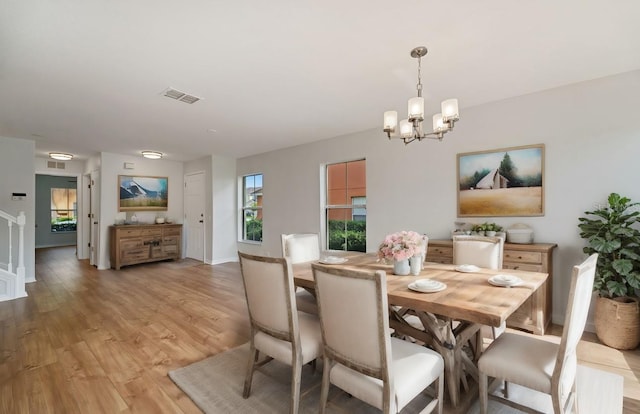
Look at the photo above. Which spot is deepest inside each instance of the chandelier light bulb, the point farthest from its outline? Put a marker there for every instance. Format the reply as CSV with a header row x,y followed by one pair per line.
x,y
406,128
390,121
450,110
416,109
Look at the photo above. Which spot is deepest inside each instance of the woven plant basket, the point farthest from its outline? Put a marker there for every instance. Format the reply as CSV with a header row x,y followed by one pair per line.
x,y
618,322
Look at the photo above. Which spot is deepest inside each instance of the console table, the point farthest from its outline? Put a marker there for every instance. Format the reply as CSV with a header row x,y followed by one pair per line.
x,y
133,244
535,314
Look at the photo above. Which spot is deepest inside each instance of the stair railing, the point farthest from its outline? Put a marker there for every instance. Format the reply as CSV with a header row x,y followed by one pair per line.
x,y
16,289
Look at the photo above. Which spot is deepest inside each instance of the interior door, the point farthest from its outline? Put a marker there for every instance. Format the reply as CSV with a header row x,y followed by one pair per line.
x,y
94,213
194,215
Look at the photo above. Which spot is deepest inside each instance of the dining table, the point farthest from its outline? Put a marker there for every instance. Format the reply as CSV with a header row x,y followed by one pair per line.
x,y
448,320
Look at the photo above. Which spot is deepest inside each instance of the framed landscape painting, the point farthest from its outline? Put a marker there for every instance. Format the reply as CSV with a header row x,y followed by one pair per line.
x,y
139,193
503,182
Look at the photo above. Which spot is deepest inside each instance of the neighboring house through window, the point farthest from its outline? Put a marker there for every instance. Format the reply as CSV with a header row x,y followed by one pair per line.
x,y
63,209
346,206
252,207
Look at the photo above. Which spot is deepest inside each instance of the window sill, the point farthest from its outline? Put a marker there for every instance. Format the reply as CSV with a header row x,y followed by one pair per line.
x,y
250,242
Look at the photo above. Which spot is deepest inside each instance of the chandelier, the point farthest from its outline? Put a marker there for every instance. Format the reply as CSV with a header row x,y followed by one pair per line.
x,y
411,128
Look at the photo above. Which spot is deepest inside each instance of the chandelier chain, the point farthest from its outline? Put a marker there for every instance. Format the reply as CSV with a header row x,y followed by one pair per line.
x,y
419,85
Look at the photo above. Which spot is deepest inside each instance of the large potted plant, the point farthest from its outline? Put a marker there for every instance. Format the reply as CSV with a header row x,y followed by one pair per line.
x,y
612,232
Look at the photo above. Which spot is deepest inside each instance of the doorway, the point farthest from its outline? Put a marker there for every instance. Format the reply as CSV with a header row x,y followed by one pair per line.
x,y
194,208
56,213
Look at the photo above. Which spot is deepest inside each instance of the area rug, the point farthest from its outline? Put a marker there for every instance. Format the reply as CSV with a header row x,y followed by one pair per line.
x,y
215,385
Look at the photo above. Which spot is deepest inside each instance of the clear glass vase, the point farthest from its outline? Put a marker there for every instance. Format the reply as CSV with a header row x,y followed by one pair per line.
x,y
401,267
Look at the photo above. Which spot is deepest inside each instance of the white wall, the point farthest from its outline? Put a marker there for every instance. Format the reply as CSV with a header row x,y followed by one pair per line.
x,y
591,131
220,196
112,165
224,186
17,170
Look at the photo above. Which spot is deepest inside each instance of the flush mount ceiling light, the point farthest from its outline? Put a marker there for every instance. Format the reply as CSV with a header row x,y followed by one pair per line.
x,y
60,156
411,128
152,155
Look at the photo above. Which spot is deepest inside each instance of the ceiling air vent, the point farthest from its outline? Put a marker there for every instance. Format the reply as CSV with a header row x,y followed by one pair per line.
x,y
180,96
54,164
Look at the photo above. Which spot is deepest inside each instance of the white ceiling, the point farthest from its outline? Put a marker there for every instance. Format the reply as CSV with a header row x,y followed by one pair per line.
x,y
86,76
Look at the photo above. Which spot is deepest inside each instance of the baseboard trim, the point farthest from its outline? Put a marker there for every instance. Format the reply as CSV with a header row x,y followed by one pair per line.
x,y
224,260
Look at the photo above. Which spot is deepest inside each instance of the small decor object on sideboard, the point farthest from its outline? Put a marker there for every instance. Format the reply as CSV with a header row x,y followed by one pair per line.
x,y
520,233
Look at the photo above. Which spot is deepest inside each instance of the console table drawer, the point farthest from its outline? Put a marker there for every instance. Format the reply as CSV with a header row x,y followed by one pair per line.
x,y
439,254
522,257
134,255
172,231
524,266
131,244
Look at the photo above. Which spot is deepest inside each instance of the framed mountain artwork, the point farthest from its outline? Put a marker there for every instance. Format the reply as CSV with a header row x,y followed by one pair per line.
x,y
140,193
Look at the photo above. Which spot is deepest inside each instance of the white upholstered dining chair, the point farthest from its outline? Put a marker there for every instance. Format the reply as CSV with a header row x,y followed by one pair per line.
x,y
485,252
537,364
360,356
481,251
300,248
278,329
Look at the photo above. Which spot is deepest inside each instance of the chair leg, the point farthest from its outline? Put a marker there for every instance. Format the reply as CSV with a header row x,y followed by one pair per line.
x,y
506,390
253,357
483,390
324,391
440,386
296,377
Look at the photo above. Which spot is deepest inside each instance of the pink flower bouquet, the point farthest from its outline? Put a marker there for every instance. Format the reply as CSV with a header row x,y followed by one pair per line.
x,y
401,245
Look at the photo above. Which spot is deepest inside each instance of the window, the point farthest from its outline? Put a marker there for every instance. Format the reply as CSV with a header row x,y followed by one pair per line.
x,y
359,214
252,207
346,206
63,210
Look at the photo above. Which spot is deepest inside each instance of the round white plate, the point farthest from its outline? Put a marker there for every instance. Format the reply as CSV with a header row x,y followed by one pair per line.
x,y
465,268
427,286
505,280
333,260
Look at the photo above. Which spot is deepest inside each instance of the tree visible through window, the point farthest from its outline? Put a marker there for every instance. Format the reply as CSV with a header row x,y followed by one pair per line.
x,y
252,207
346,209
63,209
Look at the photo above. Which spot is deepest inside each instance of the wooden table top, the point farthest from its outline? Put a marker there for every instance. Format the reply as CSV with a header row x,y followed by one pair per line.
x,y
468,296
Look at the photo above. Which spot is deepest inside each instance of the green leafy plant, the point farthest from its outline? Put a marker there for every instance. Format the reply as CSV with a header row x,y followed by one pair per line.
x,y
612,232
492,227
486,227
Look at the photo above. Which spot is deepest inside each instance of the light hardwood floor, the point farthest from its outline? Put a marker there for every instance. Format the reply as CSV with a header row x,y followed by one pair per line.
x,y
89,341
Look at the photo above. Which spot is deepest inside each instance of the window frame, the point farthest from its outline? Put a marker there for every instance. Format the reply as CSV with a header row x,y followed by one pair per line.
x,y
255,210
328,207
71,212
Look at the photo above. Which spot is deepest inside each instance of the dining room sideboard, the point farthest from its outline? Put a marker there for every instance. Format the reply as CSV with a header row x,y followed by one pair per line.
x,y
535,314
144,243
